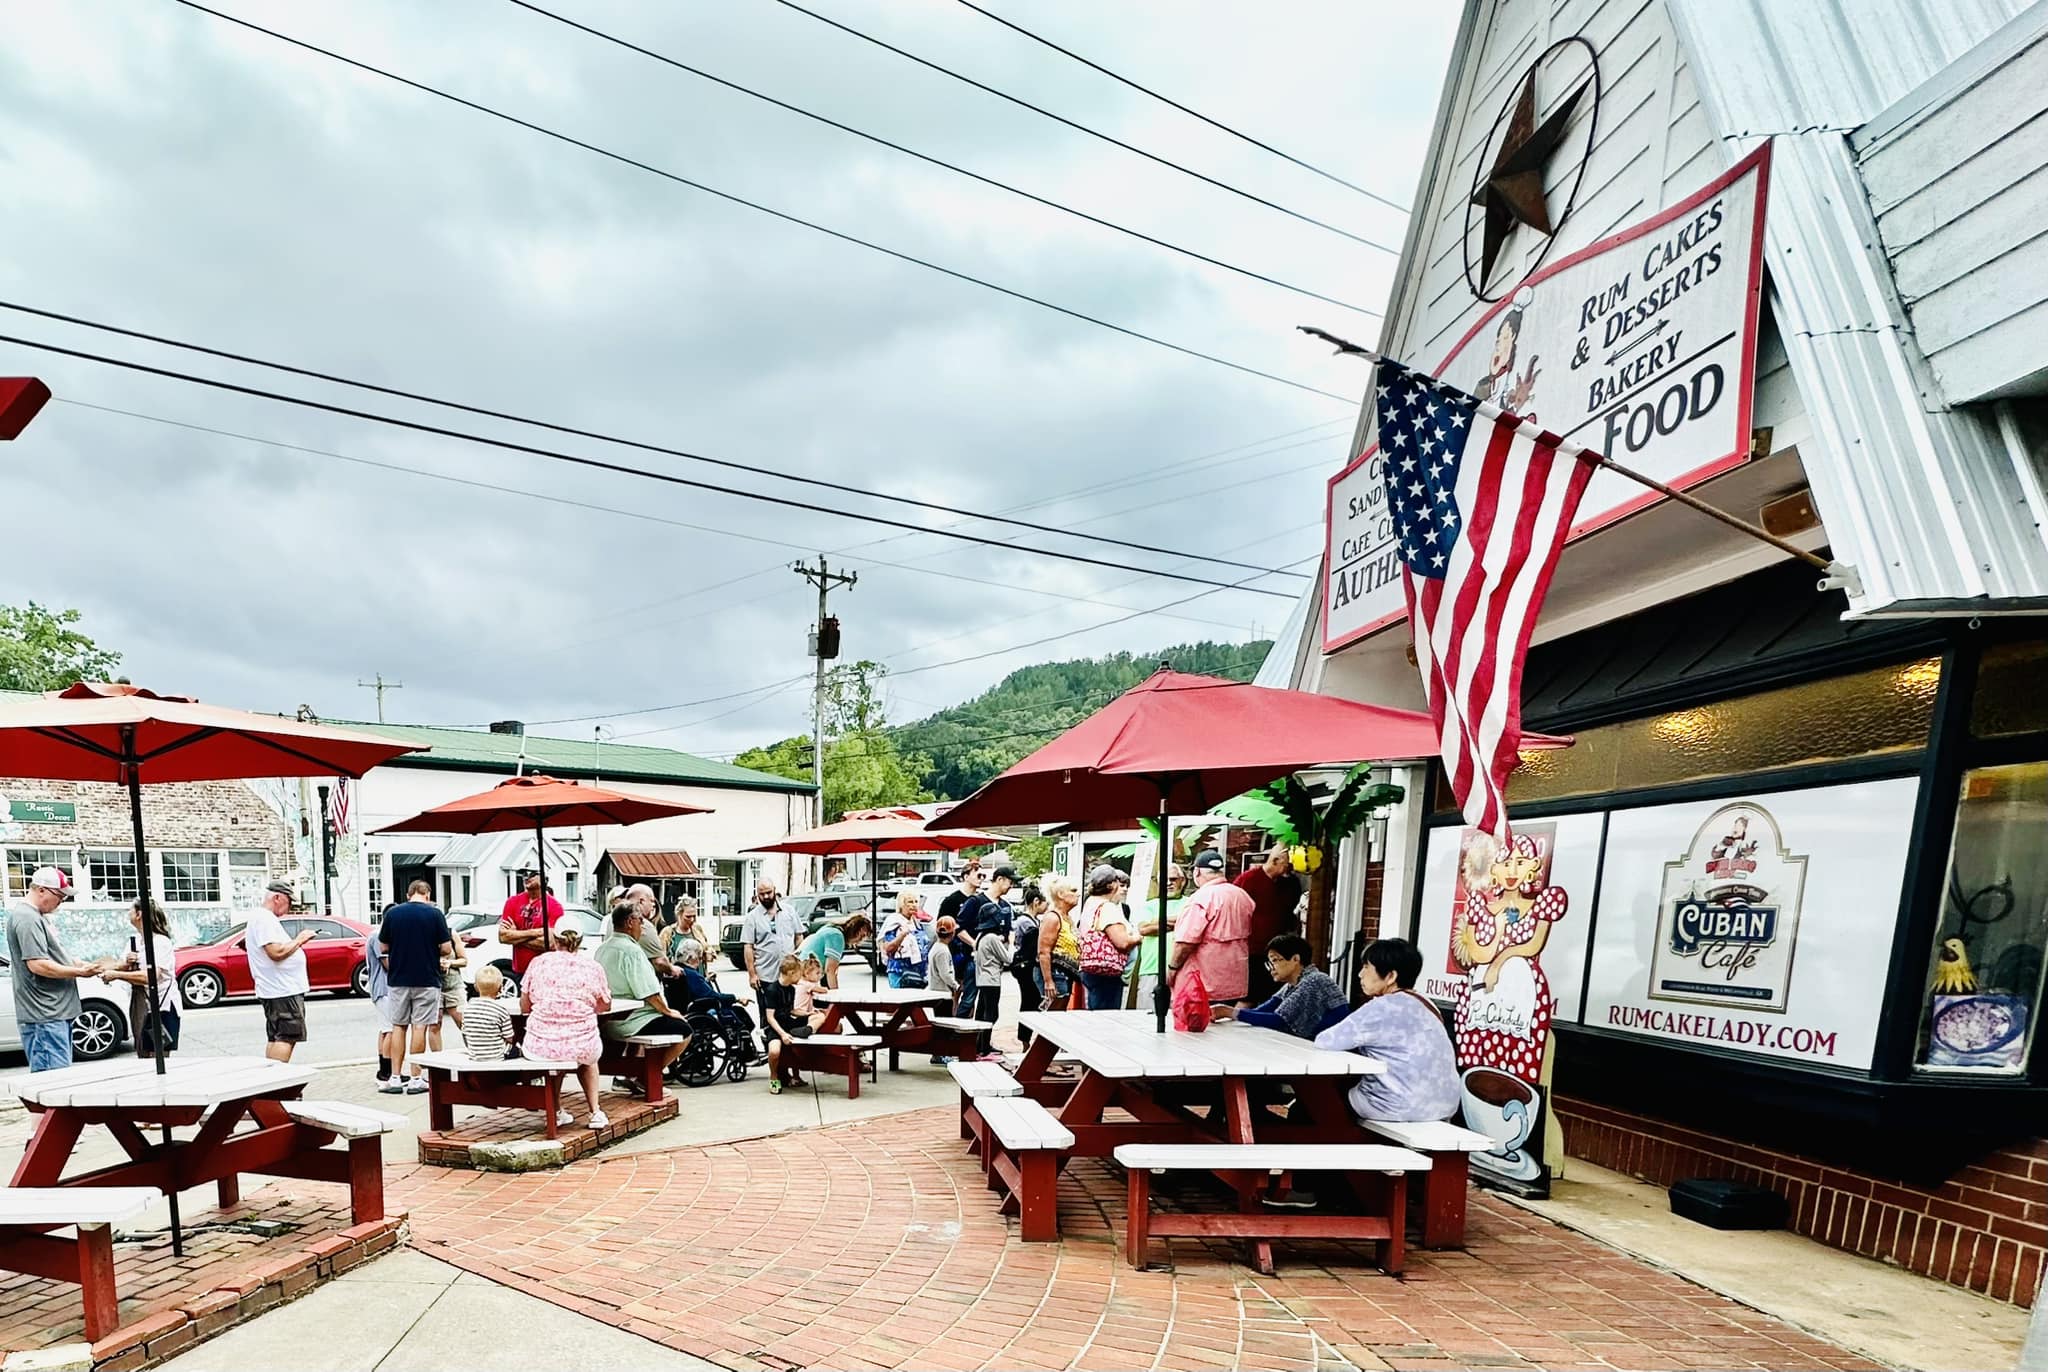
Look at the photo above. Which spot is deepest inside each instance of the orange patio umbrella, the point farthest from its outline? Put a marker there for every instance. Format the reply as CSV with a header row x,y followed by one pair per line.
x,y
112,731
537,803
881,833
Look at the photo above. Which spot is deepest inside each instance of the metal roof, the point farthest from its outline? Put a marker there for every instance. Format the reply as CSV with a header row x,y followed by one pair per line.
x,y
672,863
476,750
1936,508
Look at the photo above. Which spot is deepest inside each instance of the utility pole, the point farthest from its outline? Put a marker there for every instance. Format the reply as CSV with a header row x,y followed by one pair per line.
x,y
824,645
380,686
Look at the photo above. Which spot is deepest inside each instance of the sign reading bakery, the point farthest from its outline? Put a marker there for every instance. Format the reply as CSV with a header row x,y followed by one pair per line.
x,y
1641,346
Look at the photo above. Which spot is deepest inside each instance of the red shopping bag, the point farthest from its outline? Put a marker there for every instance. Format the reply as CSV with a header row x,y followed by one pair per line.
x,y
1190,1002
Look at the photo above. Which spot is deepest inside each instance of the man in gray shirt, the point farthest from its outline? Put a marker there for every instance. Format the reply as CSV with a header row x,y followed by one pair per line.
x,y
45,978
770,934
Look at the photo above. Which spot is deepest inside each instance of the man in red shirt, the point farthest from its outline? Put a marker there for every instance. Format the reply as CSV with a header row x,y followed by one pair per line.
x,y
1275,891
520,923
1214,932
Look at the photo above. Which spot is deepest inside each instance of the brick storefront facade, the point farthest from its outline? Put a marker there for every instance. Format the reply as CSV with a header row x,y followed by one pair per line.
x,y
1986,1228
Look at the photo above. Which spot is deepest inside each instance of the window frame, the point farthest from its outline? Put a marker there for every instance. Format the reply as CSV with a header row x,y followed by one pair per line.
x,y
160,889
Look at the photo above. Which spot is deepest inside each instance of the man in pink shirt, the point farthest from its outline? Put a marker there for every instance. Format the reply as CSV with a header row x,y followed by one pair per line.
x,y
1214,931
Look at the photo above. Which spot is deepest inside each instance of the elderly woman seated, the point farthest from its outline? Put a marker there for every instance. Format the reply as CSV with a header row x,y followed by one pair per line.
x,y
562,994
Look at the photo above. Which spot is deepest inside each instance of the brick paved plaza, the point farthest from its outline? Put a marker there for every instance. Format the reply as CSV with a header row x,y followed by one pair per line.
x,y
876,1245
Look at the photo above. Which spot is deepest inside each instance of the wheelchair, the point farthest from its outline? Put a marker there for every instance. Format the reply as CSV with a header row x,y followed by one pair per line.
x,y
720,1045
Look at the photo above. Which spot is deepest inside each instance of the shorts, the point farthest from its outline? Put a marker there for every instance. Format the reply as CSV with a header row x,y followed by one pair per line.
x,y
418,1006
452,994
382,1005
48,1045
284,1019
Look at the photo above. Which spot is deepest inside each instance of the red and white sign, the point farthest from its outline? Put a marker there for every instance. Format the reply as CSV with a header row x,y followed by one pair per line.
x,y
1641,346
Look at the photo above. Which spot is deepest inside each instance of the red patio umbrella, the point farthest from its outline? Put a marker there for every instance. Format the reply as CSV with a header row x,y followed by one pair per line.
x,y
112,731
1177,744
537,803
883,833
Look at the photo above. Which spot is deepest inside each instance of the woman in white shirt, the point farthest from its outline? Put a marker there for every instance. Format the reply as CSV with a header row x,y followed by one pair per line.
x,y
135,971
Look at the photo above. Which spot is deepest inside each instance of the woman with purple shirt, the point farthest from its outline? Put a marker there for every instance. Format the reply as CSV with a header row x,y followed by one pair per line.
x,y
1405,1032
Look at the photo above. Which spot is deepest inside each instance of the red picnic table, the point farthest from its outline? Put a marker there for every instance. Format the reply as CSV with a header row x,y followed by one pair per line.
x,y
289,1139
911,1026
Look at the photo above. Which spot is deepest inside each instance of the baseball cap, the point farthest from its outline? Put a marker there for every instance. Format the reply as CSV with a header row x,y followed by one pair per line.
x,y
50,879
1007,873
1208,860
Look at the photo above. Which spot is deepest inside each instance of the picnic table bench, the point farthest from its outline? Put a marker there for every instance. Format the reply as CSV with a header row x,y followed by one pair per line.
x,y
29,1213
835,1053
1243,1164
1450,1148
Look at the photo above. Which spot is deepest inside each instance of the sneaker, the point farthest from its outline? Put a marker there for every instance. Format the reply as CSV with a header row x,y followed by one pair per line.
x,y
991,1057
774,1087
563,1116
392,1086
941,1062
1291,1200
415,1086
598,1120
798,1082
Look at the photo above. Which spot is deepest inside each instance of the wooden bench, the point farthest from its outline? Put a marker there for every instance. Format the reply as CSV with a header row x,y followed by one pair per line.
x,y
641,1059
1449,1148
28,1213
1232,1161
976,1081
363,1130
956,1036
511,1084
836,1053
1023,1162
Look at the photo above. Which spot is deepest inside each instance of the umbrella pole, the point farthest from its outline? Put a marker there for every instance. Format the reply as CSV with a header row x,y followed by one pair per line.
x,y
1159,991
152,993
874,918
540,863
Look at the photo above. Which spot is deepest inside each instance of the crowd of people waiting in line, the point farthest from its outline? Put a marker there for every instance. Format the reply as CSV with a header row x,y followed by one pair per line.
x,y
1065,950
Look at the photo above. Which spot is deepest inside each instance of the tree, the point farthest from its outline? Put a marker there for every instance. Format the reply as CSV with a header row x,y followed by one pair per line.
x,y
791,757
40,651
865,767
1287,810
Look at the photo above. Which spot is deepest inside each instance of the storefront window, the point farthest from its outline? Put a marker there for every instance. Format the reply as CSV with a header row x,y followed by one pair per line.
x,y
1888,710
22,863
191,878
1984,981
110,875
2012,690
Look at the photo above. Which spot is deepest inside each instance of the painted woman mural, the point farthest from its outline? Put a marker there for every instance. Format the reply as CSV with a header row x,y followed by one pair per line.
x,y
1505,908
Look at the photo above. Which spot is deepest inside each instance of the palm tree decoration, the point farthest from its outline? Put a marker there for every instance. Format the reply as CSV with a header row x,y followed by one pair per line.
x,y
1287,810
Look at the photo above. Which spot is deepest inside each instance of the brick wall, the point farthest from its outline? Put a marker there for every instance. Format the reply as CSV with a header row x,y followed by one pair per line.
x,y
188,814
1986,1228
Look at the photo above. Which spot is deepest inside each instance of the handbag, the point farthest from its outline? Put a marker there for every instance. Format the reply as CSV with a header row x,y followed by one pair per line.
x,y
1098,954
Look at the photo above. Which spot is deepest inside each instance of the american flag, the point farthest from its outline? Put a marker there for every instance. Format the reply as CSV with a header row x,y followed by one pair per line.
x,y
1481,502
337,807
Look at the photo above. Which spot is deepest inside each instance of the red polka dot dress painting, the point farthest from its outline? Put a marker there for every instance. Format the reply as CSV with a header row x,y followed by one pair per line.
x,y
1505,907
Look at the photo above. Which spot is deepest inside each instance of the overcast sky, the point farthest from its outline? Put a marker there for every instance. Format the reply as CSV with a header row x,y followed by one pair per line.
x,y
169,172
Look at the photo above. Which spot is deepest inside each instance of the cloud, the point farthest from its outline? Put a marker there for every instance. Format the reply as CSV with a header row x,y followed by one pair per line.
x,y
172,172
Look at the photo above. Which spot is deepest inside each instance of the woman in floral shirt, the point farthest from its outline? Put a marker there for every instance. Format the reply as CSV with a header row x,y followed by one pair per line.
x,y
562,995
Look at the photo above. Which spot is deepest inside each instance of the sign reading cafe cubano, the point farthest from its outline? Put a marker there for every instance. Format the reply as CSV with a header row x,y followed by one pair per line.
x,y
1641,346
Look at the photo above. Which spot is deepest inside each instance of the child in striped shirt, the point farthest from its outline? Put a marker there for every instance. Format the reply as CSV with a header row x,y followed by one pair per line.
x,y
486,1023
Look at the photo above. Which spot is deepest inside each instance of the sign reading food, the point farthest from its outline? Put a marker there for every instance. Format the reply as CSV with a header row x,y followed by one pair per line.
x,y
1641,346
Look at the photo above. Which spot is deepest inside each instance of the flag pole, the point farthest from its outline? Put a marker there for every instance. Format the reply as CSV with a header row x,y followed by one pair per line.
x,y
1838,572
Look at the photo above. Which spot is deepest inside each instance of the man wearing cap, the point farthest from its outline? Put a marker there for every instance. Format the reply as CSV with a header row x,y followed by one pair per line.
x,y
45,978
1214,932
277,964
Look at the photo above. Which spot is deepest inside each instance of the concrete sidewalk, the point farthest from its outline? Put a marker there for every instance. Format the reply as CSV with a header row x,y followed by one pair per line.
x,y
408,1311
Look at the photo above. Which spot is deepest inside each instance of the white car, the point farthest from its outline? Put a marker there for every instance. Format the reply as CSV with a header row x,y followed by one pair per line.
x,y
101,1029
476,928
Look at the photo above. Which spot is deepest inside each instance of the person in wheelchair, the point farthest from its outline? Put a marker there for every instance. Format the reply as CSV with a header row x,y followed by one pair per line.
x,y
723,1031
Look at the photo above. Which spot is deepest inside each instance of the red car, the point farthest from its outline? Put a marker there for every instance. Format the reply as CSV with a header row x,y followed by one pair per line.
x,y
209,973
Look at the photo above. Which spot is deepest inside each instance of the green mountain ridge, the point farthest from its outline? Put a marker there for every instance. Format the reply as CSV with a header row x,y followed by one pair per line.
x,y
961,747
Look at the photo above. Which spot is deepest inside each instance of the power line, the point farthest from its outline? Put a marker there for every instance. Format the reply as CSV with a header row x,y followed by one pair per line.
x,y
290,369
755,205
1079,127
599,464
1169,100
1050,204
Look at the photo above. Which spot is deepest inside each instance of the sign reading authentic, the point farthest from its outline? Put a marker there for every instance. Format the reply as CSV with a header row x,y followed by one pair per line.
x,y
1641,346
1728,918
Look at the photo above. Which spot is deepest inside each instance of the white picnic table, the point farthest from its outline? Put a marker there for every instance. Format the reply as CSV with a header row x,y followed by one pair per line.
x,y
216,1094
909,1023
1125,1045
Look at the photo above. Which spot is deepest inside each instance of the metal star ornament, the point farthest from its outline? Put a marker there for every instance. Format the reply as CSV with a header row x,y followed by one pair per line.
x,y
1513,191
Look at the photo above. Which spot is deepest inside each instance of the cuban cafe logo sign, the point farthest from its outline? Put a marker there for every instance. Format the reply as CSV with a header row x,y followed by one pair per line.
x,y
1728,917
1641,346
